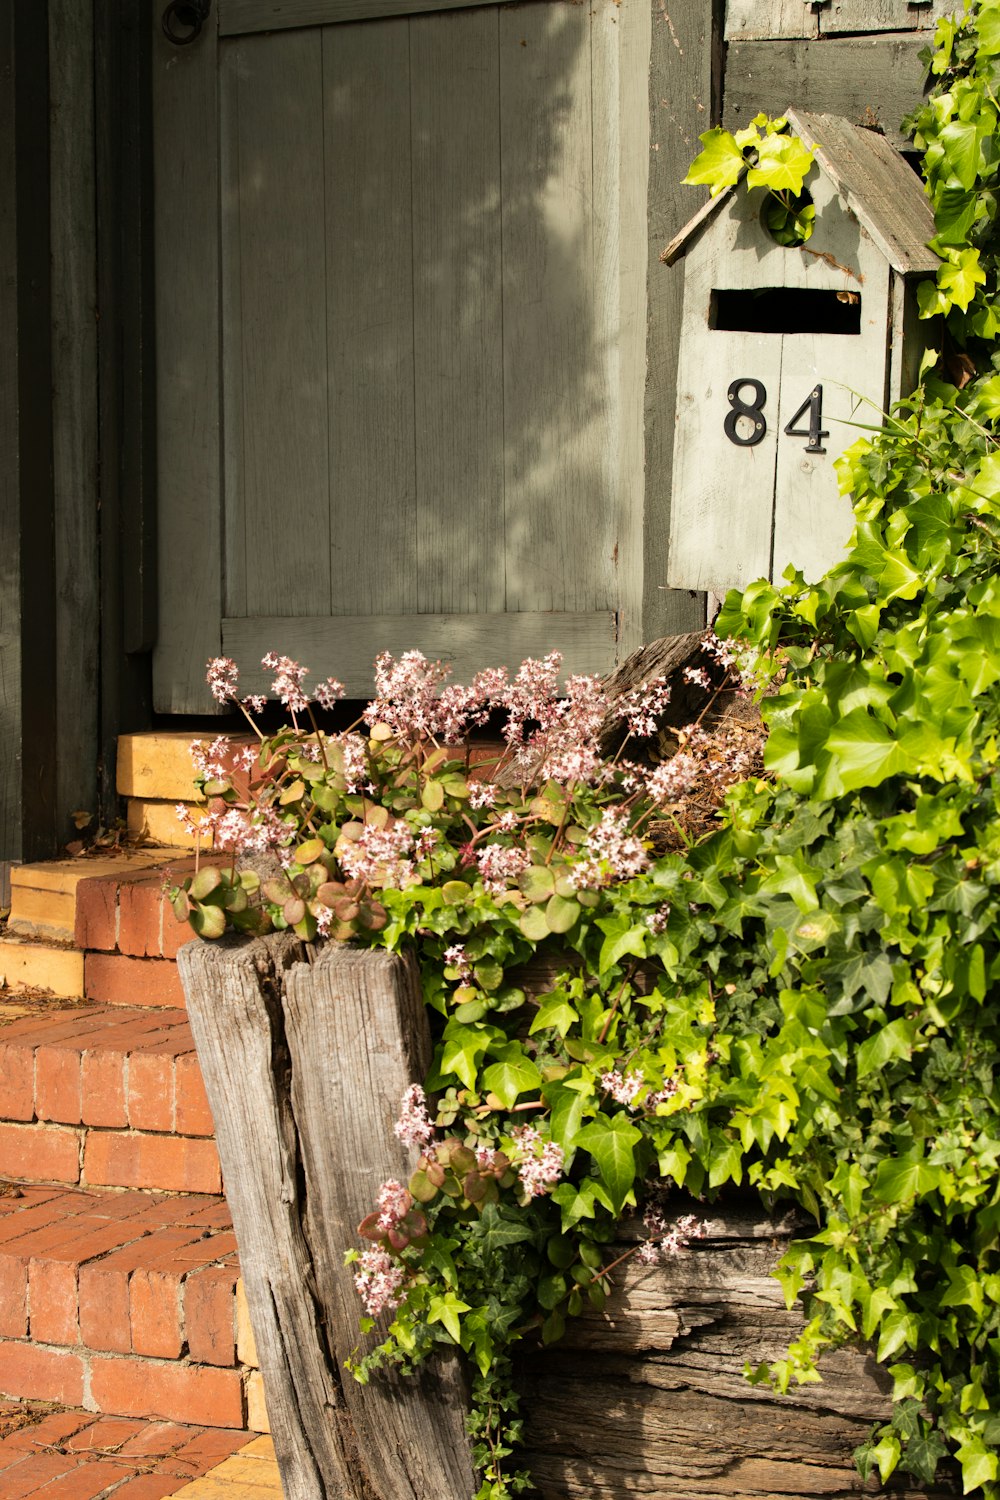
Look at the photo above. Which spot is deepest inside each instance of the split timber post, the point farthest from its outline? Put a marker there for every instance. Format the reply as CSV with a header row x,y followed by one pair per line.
x,y
305,1056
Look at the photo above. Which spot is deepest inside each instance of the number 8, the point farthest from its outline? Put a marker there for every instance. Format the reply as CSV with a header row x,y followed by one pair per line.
x,y
753,410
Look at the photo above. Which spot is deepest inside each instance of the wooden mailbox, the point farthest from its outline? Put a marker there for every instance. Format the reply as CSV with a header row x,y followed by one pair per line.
x,y
784,351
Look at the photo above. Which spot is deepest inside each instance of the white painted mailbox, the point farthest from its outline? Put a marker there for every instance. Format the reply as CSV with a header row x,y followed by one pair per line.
x,y
783,351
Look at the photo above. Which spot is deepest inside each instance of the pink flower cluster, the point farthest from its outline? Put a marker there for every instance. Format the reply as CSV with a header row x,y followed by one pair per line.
x,y
539,1163
394,1202
379,856
210,760
414,1126
287,684
668,1239
457,958
222,676
378,1281
613,852
622,1088
499,865
642,706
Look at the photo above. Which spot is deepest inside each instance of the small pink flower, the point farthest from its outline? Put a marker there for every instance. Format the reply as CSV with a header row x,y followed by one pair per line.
x,y
222,676
378,1281
622,1089
414,1127
539,1163
394,1202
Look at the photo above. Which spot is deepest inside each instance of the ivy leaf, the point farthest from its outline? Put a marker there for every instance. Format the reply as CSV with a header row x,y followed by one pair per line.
x,y
979,1464
719,164
464,1048
612,1142
446,1309
902,1178
578,1200
782,164
894,1040
512,1074
959,277
865,753
555,1013
497,1229
566,1107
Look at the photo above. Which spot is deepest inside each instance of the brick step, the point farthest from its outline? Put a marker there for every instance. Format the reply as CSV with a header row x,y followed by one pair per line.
x,y
81,1455
124,1303
105,1096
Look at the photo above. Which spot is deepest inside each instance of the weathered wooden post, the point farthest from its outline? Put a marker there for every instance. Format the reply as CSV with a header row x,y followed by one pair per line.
x,y
305,1057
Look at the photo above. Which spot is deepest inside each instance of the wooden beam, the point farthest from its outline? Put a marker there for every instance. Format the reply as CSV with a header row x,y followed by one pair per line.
x,y
74,416
241,17
28,729
683,91
870,80
469,642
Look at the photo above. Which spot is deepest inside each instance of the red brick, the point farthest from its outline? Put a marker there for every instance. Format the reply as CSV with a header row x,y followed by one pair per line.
x,y
71,1021
193,1113
103,1088
103,1309
97,913
172,1163
181,1393
151,1090
206,1449
47,1153
105,1432
52,1430
86,1482
210,1314
52,1300
141,917
57,1084
34,1473
17,1082
155,1312
41,1374
158,1439
175,934
148,1486
118,979
13,1297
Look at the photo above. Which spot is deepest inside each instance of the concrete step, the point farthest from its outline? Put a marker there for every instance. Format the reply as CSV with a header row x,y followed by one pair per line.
x,y
124,1303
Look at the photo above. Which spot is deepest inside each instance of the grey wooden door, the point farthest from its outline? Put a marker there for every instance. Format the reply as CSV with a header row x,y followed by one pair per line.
x,y
400,335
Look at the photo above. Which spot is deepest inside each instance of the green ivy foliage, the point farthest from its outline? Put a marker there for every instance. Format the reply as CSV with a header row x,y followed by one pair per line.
x,y
807,1001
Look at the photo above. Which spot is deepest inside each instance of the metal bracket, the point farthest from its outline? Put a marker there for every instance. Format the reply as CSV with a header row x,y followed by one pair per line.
x,y
184,19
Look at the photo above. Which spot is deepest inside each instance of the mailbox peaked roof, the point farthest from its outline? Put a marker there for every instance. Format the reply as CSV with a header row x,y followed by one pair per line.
x,y
877,184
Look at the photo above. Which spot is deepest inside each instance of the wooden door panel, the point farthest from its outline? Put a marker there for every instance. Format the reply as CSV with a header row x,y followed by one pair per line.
x,y
369,320
458,313
416,391
275,405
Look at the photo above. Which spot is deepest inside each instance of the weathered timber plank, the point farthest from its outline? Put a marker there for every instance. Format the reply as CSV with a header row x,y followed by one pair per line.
x,y
361,1013
275,350
649,1399
680,109
748,20
868,79
74,404
457,312
185,108
369,320
346,646
757,19
10,460
237,17
234,1005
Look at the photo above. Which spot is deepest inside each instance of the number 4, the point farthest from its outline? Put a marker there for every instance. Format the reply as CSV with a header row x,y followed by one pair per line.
x,y
814,401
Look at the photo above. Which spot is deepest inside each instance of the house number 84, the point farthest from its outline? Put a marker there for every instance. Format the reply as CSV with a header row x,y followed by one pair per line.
x,y
745,424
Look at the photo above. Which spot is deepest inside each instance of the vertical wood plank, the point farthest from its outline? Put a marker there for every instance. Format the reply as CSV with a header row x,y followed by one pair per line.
x,y
620,43
458,358
680,109
185,107
10,530
369,317
559,516
74,402
282,490
234,531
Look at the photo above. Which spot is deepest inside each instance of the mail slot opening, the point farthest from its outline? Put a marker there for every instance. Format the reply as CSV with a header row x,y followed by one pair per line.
x,y
785,309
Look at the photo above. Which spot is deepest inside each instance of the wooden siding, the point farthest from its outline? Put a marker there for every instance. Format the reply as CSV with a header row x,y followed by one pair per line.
x,y
748,20
870,80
